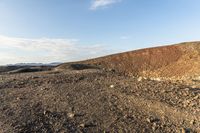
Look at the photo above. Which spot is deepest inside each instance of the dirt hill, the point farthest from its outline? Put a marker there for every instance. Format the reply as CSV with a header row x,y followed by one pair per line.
x,y
174,62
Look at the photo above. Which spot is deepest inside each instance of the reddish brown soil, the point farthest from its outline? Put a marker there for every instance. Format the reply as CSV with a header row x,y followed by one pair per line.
x,y
136,61
180,61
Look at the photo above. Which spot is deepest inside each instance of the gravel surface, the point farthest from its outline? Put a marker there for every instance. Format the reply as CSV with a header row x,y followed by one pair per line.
x,y
95,100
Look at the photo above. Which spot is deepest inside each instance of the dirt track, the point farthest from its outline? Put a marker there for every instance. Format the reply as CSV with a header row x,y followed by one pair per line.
x,y
95,100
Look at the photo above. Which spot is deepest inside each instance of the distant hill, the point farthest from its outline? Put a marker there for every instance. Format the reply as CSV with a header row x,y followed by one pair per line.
x,y
35,64
27,67
174,62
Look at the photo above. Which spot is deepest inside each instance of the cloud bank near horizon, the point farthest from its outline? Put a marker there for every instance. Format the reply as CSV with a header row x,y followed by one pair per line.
x,y
96,4
45,50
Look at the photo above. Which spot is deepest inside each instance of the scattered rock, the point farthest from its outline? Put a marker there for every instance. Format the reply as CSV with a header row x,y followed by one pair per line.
x,y
35,77
82,125
139,79
185,130
18,98
192,122
112,86
156,79
154,126
187,89
45,112
81,78
152,119
43,89
70,115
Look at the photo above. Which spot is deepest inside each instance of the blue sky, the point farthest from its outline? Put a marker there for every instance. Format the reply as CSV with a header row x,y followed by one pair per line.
x,y
69,30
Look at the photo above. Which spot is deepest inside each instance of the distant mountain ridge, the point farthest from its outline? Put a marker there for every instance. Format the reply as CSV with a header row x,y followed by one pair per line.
x,y
27,67
35,64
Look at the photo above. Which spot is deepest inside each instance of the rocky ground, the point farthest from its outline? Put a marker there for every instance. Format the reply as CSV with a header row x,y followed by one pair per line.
x,y
95,100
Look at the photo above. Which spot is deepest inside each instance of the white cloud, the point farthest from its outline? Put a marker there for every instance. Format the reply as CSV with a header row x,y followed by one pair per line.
x,y
44,50
102,3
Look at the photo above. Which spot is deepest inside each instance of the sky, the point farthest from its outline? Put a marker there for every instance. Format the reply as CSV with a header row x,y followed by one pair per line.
x,y
44,31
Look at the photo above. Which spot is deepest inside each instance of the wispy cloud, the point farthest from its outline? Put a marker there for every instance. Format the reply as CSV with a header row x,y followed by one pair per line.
x,y
23,50
96,4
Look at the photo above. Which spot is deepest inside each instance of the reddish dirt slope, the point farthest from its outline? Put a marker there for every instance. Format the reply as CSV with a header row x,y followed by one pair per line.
x,y
179,61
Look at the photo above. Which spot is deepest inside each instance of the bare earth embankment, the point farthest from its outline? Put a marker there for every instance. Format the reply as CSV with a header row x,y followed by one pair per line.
x,y
175,62
116,93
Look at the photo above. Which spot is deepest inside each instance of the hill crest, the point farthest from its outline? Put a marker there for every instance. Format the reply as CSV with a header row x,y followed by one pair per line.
x,y
174,62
